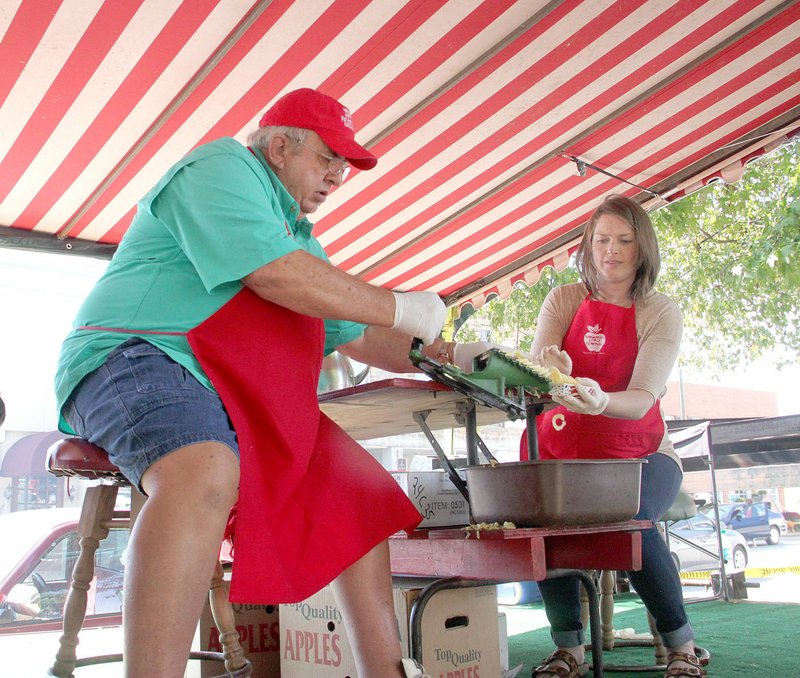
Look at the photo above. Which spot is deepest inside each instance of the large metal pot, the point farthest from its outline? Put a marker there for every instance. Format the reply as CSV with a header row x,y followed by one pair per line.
x,y
338,372
555,492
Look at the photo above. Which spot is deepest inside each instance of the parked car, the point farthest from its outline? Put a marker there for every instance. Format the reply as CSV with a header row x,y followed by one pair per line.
x,y
39,550
792,520
759,520
701,531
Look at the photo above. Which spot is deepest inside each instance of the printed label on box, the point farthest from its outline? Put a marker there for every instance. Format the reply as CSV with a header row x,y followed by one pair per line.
x,y
435,497
313,640
259,635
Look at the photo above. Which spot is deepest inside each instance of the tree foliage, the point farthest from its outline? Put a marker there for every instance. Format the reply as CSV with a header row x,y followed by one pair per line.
x,y
512,321
730,259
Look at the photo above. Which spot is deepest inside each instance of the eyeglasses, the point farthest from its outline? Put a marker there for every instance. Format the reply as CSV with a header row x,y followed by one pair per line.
x,y
335,166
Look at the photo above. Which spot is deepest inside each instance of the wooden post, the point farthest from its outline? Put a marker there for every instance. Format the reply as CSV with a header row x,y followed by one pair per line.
x,y
96,515
222,611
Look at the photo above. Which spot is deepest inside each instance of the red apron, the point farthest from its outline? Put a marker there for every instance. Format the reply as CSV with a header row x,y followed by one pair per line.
x,y
311,500
603,345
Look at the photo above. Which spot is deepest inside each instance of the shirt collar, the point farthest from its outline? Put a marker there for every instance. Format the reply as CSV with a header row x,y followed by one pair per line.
x,y
288,204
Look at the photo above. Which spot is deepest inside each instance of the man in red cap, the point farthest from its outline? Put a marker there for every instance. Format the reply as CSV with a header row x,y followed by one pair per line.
x,y
194,363
311,110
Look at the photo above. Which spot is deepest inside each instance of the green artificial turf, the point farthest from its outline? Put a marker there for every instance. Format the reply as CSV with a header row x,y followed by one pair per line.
x,y
743,638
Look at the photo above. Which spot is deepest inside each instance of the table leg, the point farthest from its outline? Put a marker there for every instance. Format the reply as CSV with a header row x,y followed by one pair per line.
x,y
461,486
532,410
594,615
471,431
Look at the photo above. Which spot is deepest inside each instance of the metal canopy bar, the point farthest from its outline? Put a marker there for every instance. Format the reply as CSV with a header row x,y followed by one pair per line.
x,y
16,238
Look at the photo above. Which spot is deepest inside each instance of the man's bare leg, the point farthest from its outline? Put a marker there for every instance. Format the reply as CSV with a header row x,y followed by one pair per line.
x,y
364,594
173,550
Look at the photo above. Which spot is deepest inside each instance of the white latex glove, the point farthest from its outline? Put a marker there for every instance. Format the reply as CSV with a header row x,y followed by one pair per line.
x,y
464,354
553,356
419,314
590,398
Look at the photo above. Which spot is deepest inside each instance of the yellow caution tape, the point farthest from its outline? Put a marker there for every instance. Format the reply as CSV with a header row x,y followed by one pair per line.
x,y
750,572
696,575
757,572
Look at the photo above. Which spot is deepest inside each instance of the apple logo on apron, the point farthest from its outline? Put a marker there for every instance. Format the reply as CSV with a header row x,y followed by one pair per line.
x,y
594,339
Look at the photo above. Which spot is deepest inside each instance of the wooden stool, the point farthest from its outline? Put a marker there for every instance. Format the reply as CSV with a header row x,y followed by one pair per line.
x,y
683,507
79,458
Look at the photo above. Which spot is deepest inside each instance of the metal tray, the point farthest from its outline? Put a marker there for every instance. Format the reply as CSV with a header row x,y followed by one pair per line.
x,y
555,492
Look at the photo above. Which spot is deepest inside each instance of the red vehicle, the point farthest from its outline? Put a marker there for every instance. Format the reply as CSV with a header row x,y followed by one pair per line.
x,y
39,550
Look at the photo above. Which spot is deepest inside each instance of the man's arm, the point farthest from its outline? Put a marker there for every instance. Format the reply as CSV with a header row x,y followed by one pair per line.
x,y
388,349
305,284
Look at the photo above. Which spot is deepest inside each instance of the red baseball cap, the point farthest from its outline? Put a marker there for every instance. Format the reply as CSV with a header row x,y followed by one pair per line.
x,y
309,109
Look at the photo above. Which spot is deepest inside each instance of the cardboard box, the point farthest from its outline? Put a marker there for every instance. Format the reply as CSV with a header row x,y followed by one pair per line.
x,y
259,635
435,496
313,642
502,624
460,635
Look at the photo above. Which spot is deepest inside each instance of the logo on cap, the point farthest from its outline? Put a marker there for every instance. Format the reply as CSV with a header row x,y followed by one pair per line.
x,y
347,118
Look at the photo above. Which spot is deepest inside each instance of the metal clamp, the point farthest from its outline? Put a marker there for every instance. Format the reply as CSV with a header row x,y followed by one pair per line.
x,y
421,419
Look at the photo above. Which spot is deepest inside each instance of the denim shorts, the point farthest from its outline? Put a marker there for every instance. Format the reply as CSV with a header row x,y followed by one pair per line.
x,y
140,405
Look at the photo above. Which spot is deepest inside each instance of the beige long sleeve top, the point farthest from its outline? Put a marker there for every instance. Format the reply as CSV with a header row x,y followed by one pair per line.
x,y
659,326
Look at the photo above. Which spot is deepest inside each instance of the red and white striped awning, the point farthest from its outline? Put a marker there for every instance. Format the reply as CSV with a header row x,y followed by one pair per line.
x,y
479,112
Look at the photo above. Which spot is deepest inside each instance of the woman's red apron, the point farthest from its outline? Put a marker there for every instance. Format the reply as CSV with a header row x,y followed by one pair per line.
x,y
603,345
311,500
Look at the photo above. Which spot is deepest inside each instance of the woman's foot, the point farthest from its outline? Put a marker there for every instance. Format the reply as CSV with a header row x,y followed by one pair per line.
x,y
683,663
563,663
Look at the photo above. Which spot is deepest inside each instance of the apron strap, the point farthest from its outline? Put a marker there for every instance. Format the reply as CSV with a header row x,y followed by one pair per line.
x,y
99,328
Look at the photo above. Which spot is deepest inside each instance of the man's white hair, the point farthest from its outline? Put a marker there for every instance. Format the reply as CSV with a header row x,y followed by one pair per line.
x,y
263,135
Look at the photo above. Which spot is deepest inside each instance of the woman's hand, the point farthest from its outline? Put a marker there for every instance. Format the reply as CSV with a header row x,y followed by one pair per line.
x,y
553,356
590,398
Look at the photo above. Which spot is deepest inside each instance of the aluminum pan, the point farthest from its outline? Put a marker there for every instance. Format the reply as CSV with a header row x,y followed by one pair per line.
x,y
556,492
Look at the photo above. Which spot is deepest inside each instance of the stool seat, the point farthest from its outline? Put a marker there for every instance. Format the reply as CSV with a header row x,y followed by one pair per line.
x,y
78,458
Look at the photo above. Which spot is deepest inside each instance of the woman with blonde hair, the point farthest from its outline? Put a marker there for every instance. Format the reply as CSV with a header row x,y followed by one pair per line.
x,y
620,338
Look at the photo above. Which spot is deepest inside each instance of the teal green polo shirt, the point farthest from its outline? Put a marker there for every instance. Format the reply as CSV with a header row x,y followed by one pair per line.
x,y
216,216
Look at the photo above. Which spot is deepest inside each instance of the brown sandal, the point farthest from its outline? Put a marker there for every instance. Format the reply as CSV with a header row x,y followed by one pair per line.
x,y
693,671
574,671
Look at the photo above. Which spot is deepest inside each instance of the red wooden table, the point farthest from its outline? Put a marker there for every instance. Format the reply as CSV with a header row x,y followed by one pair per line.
x,y
522,554
444,556
386,408
454,558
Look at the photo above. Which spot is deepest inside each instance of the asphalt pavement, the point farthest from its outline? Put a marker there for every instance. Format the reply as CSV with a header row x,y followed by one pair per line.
x,y
773,572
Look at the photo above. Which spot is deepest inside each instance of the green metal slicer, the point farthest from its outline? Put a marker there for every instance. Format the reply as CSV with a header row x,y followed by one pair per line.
x,y
499,372
497,380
